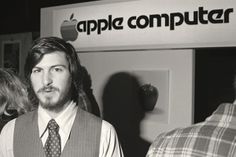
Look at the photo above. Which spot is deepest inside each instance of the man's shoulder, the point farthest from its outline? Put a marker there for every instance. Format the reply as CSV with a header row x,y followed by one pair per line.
x,y
105,124
25,119
193,132
26,115
89,115
177,133
9,126
84,117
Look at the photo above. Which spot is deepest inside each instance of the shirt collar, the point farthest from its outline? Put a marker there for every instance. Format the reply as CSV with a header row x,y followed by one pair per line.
x,y
62,119
225,113
234,102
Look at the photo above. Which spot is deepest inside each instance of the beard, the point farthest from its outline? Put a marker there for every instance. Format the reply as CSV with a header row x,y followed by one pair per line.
x,y
48,103
53,100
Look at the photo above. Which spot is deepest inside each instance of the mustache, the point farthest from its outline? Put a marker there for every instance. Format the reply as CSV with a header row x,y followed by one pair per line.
x,y
47,88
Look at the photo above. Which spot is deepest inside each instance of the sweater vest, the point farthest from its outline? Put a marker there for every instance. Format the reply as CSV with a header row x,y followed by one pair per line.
x,y
84,139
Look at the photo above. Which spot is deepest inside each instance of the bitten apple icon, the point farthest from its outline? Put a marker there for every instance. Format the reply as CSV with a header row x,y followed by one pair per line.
x,y
68,29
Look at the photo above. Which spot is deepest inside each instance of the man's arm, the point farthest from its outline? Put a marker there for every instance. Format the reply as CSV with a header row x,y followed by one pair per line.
x,y
109,143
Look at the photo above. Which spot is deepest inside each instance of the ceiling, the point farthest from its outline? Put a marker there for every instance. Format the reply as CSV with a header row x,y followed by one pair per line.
x,y
24,15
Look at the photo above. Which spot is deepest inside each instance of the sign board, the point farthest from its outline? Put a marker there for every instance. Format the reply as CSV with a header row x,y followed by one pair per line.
x,y
139,24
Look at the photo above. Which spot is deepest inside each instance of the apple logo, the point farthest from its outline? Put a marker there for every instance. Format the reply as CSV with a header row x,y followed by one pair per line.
x,y
148,95
68,29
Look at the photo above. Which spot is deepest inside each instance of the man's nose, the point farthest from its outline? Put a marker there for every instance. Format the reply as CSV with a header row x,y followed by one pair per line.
x,y
47,79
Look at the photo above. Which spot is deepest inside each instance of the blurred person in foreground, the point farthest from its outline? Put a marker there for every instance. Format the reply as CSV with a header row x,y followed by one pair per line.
x,y
13,96
59,126
215,137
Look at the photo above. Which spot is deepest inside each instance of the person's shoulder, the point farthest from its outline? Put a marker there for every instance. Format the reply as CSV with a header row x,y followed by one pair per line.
x,y
167,137
177,132
108,133
11,124
107,124
89,115
108,127
25,119
27,114
8,127
6,137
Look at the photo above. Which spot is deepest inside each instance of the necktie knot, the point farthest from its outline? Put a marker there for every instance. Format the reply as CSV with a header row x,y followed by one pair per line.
x,y
52,125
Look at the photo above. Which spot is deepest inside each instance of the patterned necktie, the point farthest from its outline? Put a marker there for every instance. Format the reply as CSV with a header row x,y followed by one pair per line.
x,y
52,146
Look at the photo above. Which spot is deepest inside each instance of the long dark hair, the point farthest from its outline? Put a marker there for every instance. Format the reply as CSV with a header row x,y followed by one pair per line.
x,y
47,45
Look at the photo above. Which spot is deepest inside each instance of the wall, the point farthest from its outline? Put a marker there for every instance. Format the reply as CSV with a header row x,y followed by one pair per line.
x,y
114,84
102,65
25,40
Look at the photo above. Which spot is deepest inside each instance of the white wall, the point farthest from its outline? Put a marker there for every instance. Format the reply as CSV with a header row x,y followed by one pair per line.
x,y
101,65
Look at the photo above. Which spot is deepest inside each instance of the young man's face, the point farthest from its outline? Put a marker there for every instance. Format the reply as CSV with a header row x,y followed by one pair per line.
x,y
51,81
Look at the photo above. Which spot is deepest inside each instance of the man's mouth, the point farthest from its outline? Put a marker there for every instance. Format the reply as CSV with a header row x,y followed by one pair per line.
x,y
47,90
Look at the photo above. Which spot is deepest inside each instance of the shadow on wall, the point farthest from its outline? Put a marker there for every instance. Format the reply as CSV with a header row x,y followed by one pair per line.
x,y
122,108
89,97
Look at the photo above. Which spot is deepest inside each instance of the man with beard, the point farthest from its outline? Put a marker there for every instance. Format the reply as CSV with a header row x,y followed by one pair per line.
x,y
59,126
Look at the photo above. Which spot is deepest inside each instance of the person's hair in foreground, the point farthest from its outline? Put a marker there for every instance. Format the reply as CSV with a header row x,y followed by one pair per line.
x,y
48,45
13,92
13,96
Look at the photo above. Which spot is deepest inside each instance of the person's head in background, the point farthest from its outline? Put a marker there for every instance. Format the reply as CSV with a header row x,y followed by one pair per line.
x,y
43,52
13,96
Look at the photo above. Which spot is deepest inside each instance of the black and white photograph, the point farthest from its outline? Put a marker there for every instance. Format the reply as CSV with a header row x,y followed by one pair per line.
x,y
118,78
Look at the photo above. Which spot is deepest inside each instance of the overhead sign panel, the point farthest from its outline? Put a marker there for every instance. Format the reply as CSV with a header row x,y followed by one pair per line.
x,y
147,23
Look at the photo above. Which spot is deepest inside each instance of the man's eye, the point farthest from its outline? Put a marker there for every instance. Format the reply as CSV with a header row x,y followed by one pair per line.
x,y
58,69
36,70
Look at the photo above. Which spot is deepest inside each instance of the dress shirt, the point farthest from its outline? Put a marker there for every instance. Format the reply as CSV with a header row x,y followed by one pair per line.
x,y
215,137
64,120
109,144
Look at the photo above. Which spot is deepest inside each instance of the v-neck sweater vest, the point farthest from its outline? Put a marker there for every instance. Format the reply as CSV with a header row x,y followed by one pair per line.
x,y
84,139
